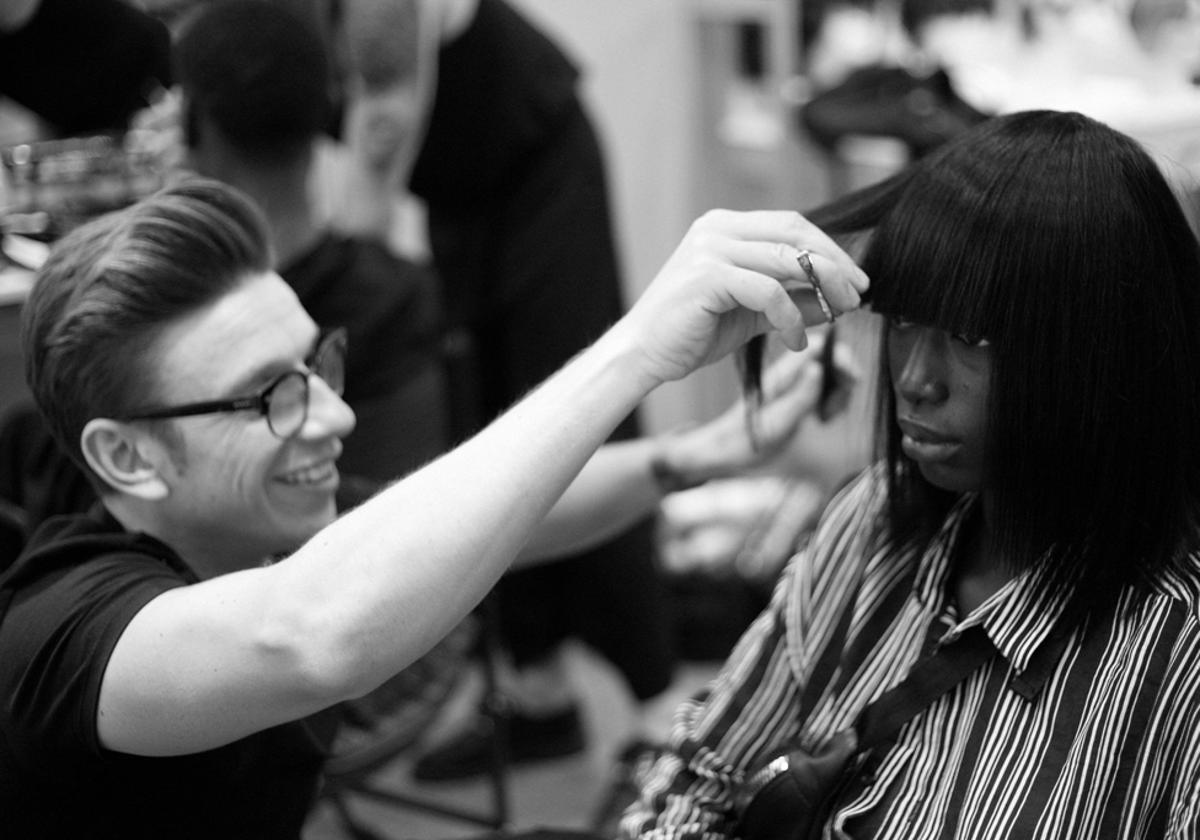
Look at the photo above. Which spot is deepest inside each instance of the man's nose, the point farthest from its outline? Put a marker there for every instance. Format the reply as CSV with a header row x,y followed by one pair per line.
x,y
328,413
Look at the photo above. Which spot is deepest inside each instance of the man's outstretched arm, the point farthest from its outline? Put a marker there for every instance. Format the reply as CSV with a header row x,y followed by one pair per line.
x,y
203,665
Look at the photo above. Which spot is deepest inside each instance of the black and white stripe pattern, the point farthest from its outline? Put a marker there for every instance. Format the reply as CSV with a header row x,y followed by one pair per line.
x,y
1093,736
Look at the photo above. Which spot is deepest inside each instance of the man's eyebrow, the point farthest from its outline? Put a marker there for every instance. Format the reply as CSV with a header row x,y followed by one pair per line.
x,y
257,378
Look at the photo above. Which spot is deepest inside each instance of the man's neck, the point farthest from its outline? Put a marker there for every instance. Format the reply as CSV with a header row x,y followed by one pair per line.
x,y
205,556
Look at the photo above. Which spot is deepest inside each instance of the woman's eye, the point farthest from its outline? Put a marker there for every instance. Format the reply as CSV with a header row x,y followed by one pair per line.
x,y
971,340
898,322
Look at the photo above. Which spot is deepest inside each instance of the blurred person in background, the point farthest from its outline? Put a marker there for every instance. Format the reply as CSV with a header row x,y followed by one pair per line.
x,y
473,110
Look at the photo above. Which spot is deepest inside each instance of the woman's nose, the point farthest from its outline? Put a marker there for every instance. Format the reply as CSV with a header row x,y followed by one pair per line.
x,y
922,373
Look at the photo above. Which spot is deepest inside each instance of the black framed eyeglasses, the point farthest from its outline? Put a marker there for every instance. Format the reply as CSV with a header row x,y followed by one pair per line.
x,y
284,401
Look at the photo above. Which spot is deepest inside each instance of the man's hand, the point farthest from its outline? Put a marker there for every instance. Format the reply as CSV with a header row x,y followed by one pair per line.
x,y
724,284
725,447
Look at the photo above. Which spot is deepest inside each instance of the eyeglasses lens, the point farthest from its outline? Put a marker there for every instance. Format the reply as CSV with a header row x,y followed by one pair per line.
x,y
330,362
287,405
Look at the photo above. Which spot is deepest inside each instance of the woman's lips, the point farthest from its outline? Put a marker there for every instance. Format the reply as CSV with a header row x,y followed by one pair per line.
x,y
924,444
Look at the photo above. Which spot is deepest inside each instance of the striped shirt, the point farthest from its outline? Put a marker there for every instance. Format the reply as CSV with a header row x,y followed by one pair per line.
x,y
1093,736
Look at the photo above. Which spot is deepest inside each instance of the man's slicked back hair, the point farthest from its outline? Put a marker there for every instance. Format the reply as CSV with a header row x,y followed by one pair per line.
x,y
111,286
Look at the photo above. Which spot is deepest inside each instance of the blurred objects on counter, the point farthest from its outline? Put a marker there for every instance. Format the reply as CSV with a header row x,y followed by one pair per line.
x,y
52,186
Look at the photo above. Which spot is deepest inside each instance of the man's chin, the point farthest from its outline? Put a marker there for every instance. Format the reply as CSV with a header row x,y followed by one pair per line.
x,y
314,524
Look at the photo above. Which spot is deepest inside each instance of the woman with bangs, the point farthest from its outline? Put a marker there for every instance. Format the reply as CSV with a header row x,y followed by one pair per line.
x,y
1034,501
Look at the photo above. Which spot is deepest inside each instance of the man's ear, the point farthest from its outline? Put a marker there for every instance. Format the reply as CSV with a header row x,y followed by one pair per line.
x,y
125,458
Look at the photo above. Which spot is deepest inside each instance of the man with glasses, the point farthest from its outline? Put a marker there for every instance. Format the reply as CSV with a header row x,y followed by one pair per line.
x,y
284,401
163,665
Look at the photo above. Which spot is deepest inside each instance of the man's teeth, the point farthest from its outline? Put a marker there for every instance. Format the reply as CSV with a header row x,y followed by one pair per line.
x,y
308,475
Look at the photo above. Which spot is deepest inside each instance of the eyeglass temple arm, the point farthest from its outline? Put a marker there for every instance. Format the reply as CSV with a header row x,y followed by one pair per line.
x,y
257,402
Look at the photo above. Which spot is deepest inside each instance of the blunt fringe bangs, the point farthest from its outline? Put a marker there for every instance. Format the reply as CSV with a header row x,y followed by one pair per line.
x,y
111,286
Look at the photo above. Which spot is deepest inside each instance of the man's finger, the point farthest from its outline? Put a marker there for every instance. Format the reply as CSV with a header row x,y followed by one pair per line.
x,y
784,226
764,295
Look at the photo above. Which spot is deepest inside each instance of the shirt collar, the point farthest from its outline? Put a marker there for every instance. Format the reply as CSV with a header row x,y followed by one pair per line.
x,y
1020,618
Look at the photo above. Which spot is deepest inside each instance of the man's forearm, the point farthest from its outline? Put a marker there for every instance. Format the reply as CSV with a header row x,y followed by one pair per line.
x,y
407,565
371,592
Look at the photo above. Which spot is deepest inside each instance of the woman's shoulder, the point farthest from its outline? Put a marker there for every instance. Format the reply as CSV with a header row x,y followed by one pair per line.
x,y
851,529
857,504
1178,587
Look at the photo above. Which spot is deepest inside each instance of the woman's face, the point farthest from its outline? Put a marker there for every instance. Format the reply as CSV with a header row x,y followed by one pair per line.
x,y
941,381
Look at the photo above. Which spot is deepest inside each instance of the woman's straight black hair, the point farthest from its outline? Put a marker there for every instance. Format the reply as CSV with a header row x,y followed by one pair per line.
x,y
1059,240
